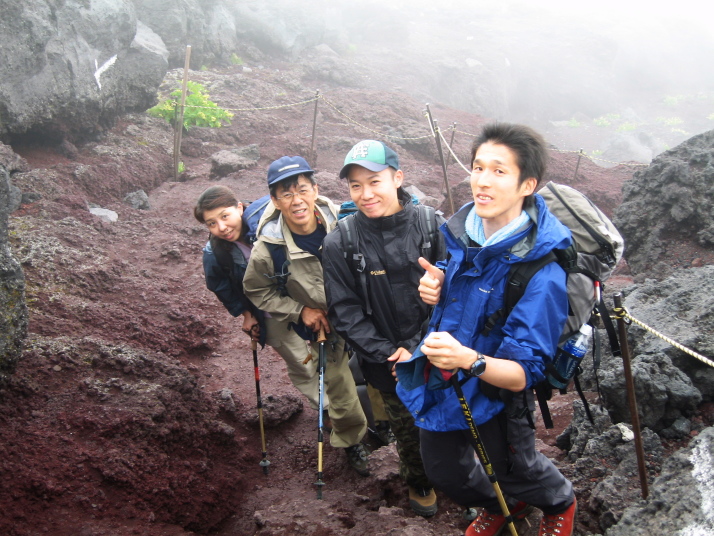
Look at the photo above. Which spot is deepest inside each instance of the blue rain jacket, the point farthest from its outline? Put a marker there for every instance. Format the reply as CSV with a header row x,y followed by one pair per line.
x,y
473,290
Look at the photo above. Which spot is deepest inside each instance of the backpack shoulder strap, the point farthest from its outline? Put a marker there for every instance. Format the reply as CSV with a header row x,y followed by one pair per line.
x,y
429,230
519,275
280,267
355,260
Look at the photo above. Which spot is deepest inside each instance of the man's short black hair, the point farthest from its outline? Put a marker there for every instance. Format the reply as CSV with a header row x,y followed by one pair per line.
x,y
289,183
528,146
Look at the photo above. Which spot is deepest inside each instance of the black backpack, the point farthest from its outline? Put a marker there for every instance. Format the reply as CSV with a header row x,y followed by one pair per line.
x,y
588,262
350,244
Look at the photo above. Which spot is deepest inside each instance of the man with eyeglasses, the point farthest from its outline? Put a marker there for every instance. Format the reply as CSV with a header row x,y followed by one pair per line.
x,y
296,224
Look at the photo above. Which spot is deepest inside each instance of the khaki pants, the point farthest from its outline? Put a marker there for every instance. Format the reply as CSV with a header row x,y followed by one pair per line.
x,y
348,421
294,350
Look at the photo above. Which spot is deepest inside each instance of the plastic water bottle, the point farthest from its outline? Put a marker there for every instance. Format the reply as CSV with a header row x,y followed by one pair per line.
x,y
568,358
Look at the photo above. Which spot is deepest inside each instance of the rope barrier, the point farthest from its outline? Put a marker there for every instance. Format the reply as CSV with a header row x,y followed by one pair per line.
x,y
600,159
453,154
366,127
277,107
381,134
624,314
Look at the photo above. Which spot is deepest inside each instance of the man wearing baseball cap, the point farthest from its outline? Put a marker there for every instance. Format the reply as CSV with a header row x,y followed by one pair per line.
x,y
376,307
296,224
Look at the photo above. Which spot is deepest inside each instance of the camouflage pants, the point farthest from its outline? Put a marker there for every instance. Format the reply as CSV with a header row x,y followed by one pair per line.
x,y
411,468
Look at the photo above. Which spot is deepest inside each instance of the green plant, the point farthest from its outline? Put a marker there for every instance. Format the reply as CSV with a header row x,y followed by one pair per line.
x,y
602,121
711,117
574,123
670,121
595,153
199,110
236,59
181,167
673,100
626,127
680,131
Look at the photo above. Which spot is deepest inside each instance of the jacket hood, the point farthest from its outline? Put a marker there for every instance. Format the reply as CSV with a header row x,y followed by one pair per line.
x,y
543,234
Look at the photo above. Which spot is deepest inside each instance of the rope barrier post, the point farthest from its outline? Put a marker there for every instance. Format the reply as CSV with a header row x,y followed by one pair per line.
x,y
313,154
435,128
631,399
178,130
577,166
451,142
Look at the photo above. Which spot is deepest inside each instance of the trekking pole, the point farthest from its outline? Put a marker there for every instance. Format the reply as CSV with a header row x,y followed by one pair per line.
x,y
321,363
480,449
264,463
631,400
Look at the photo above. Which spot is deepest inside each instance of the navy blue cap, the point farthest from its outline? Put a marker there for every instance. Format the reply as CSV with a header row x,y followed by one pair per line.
x,y
286,167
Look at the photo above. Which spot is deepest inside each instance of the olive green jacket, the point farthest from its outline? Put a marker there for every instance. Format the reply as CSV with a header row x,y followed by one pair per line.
x,y
305,284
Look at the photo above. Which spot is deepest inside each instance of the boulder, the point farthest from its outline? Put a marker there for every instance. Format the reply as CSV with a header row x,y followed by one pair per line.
x,y
680,500
75,67
226,162
14,317
138,200
668,208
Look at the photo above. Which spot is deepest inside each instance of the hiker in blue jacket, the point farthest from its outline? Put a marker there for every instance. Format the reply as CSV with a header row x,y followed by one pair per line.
x,y
506,223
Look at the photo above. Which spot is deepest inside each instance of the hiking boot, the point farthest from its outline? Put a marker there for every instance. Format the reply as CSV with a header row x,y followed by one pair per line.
x,y
487,524
559,524
422,501
357,458
384,433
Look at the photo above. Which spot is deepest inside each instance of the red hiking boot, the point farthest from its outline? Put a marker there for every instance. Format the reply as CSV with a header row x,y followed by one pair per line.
x,y
487,524
559,524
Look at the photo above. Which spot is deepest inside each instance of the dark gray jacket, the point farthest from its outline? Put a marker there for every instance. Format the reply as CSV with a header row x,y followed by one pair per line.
x,y
391,247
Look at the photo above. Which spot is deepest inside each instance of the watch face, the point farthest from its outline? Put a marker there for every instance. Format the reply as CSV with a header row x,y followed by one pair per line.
x,y
478,367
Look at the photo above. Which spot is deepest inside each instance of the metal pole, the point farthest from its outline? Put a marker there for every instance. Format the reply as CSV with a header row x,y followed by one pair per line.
x,y
178,131
631,399
577,166
264,463
480,449
435,127
321,364
313,154
451,142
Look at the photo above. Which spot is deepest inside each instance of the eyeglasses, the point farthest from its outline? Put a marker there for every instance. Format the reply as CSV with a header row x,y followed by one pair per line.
x,y
302,192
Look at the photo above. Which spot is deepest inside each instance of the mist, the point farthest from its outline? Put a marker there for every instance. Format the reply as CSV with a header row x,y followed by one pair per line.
x,y
632,66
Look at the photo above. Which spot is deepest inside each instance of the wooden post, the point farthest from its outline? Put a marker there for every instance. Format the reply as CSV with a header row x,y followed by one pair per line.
x,y
313,154
631,399
577,166
178,127
435,128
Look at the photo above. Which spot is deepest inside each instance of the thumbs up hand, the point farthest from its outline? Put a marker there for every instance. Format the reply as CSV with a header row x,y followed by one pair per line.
x,y
430,284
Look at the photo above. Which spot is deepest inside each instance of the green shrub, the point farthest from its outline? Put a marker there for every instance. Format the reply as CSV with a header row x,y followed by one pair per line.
x,y
574,123
670,121
626,127
199,111
601,121
236,59
711,117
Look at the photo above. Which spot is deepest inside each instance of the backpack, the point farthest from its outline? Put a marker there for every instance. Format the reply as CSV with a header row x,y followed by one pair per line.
x,y
350,241
588,262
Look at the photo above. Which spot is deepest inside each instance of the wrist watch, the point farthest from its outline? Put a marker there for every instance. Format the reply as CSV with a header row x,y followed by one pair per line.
x,y
479,366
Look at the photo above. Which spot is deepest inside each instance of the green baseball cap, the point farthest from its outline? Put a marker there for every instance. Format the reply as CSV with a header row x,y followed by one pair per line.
x,y
370,154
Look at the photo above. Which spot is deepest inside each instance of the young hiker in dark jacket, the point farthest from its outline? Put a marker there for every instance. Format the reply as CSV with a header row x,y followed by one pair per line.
x,y
507,223
390,319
